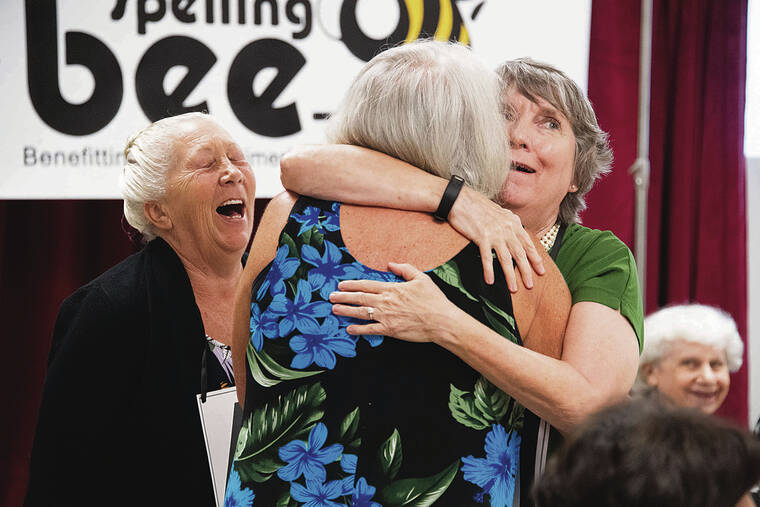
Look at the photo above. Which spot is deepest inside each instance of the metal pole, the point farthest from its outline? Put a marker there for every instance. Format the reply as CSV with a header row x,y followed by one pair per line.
x,y
640,168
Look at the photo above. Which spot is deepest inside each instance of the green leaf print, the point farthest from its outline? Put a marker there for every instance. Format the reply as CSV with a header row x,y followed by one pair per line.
x,y
498,326
487,405
418,492
291,283
286,418
313,237
464,410
349,426
256,372
280,371
317,238
449,273
259,359
250,474
292,248
306,236
390,455
504,315
515,420
490,400
285,501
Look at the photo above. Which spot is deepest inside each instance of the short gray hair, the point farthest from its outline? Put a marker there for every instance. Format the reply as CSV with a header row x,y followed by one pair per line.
x,y
433,105
701,324
147,158
593,156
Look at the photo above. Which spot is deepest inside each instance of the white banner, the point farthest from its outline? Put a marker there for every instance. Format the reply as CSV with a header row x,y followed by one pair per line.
x,y
77,77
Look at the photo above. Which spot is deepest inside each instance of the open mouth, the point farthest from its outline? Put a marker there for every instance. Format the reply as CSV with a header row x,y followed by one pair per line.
x,y
231,208
522,168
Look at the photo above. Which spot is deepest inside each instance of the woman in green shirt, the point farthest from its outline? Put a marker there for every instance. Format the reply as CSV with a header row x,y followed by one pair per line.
x,y
558,151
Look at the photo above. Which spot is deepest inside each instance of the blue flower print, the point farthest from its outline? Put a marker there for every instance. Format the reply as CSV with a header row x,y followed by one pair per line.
x,y
348,465
319,344
262,325
234,496
496,473
379,276
327,270
300,313
283,268
308,458
316,494
373,339
311,218
363,493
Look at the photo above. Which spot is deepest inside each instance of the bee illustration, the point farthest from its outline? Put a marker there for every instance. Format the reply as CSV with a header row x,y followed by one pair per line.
x,y
437,19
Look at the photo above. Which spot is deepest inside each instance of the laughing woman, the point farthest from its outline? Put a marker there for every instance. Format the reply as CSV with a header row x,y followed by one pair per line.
x,y
119,422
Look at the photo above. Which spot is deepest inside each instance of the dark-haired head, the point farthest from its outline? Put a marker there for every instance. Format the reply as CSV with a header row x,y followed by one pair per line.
x,y
643,453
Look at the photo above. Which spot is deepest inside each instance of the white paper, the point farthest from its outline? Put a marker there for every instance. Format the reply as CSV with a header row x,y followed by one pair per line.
x,y
216,419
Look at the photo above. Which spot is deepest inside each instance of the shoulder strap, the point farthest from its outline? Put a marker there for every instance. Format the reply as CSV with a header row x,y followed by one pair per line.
x,y
557,242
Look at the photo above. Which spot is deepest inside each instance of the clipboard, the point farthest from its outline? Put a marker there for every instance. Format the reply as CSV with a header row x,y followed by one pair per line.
x,y
221,418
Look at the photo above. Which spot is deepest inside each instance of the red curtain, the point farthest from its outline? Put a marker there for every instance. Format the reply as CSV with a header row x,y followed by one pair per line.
x,y
696,249
47,250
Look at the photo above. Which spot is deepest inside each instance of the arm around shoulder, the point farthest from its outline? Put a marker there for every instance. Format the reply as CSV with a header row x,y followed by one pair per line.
x,y
357,175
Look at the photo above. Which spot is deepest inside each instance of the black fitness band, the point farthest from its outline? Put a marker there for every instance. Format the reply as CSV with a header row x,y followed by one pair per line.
x,y
449,197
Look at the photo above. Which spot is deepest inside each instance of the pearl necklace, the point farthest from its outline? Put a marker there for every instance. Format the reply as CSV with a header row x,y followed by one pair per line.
x,y
548,239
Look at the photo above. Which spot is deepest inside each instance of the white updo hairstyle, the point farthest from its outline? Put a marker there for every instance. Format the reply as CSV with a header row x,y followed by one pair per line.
x,y
147,158
434,105
696,323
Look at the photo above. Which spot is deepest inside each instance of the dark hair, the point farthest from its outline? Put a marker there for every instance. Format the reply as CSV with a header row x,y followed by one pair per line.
x,y
643,453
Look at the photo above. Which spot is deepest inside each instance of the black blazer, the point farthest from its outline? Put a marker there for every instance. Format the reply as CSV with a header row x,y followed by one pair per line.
x,y
118,423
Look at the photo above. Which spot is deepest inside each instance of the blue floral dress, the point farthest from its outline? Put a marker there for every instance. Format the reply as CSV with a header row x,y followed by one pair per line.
x,y
335,420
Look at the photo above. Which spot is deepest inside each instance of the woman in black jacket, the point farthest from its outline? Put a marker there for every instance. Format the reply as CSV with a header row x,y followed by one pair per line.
x,y
119,423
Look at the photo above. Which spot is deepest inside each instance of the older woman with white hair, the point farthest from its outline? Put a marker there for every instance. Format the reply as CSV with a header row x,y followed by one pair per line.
x,y
333,418
688,354
119,422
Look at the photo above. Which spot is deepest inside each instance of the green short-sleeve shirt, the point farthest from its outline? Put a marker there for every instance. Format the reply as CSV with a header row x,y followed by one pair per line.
x,y
598,267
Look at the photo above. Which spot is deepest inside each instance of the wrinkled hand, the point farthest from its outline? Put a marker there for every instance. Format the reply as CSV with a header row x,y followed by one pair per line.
x,y
494,228
415,310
